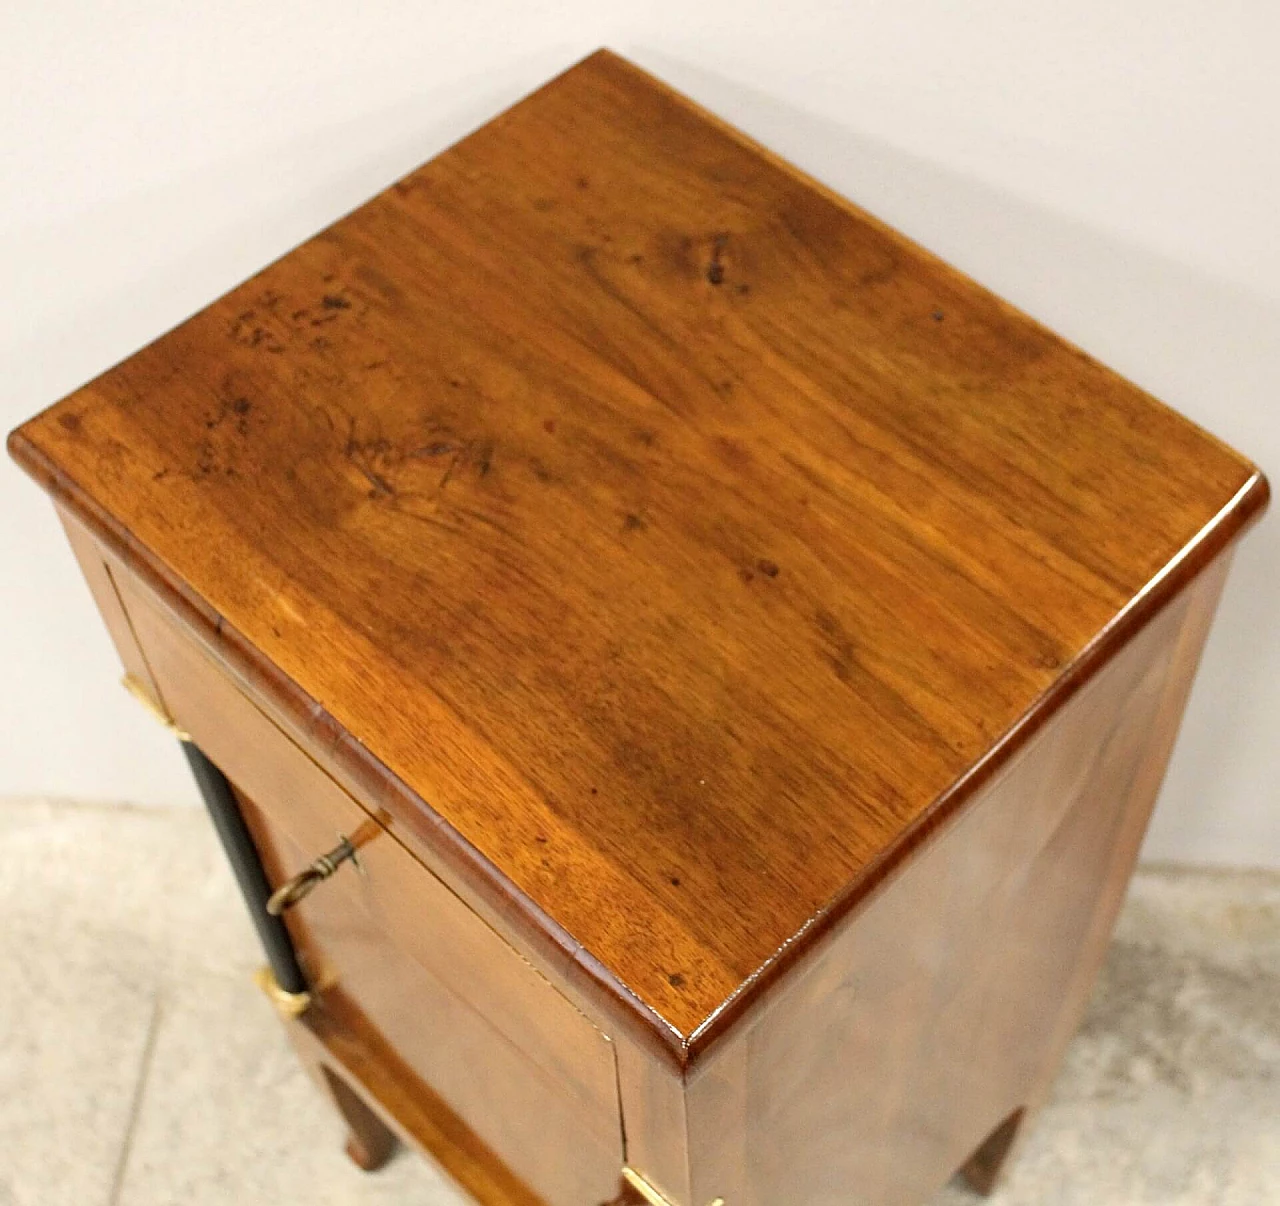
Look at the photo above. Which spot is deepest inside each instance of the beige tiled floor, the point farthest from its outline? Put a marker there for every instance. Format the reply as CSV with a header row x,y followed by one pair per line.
x,y
139,1067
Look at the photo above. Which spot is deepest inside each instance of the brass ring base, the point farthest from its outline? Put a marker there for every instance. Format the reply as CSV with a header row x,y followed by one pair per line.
x,y
647,1191
287,1004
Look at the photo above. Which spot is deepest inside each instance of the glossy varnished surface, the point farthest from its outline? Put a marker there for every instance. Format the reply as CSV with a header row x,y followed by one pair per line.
x,y
340,1051
385,945
675,533
942,1007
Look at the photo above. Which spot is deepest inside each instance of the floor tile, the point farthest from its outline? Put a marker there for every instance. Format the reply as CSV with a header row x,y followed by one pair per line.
x,y
77,1000
229,1116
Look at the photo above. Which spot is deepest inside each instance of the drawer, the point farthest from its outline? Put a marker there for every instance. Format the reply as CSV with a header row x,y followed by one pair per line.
x,y
509,1053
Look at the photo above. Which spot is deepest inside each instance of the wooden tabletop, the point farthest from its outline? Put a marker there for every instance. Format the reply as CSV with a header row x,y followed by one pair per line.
x,y
683,537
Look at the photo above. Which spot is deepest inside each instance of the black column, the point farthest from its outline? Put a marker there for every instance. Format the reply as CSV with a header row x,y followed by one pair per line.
x,y
243,854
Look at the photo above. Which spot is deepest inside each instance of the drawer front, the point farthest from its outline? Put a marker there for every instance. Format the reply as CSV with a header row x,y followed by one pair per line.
x,y
541,1131
520,1064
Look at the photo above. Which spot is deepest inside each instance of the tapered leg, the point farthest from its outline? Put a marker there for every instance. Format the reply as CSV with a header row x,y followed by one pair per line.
x,y
370,1142
986,1167
628,1195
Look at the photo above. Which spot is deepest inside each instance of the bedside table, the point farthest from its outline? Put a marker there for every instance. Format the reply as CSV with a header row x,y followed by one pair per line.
x,y
681,674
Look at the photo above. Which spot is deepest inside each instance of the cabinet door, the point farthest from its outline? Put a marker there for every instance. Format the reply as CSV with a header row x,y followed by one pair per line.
x,y
387,941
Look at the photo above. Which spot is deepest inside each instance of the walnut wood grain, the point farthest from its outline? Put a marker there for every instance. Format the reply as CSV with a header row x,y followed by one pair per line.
x,y
939,1009
644,524
355,1055
386,944
565,1154
98,575
370,1142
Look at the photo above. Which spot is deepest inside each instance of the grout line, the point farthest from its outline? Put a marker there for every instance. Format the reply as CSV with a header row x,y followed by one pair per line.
x,y
135,1105
1179,869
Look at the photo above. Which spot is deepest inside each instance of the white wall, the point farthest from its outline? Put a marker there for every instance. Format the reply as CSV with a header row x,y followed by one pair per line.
x,y
1112,168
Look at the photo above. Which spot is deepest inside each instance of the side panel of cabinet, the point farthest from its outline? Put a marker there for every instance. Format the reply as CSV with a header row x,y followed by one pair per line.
x,y
101,582
940,1009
